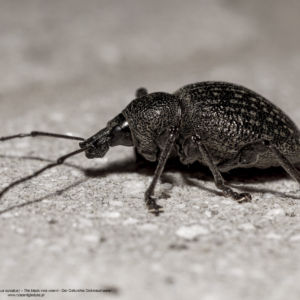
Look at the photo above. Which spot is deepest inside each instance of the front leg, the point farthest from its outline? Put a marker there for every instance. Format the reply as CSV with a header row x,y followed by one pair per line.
x,y
219,181
153,207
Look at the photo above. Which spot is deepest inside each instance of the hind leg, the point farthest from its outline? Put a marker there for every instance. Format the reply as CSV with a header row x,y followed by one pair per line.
x,y
249,155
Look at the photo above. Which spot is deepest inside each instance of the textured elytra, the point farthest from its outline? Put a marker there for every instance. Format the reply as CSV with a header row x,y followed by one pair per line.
x,y
228,116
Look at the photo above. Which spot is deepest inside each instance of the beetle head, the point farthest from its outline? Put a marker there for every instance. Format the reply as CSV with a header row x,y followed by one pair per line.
x,y
144,124
117,132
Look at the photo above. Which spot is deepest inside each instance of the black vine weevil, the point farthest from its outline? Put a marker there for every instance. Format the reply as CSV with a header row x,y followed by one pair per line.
x,y
221,125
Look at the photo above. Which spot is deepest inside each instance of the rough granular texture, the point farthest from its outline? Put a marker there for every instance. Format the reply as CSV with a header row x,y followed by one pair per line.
x,y
70,66
228,116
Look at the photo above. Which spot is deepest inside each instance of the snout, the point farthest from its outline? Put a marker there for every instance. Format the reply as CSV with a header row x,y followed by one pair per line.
x,y
90,154
97,151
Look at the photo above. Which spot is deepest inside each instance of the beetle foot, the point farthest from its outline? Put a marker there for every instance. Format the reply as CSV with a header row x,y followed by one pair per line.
x,y
153,207
243,197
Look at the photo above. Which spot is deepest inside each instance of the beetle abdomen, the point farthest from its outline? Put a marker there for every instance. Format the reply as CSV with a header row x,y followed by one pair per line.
x,y
228,116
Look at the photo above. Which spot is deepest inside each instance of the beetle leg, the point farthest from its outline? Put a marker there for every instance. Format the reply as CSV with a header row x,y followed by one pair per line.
x,y
219,181
249,155
150,202
283,161
141,92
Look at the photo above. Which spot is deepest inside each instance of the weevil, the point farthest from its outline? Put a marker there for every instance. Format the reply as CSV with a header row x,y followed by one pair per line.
x,y
221,125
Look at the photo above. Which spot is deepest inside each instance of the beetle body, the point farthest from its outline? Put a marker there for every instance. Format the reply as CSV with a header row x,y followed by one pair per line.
x,y
226,116
221,125
229,116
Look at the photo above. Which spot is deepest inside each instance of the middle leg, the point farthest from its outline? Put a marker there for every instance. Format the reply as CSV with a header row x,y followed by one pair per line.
x,y
247,156
219,181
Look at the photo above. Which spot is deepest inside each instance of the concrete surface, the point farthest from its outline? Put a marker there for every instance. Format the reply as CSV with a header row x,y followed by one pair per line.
x,y
69,67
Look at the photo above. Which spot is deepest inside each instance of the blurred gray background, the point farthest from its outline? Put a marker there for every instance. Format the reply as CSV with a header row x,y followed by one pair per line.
x,y
69,66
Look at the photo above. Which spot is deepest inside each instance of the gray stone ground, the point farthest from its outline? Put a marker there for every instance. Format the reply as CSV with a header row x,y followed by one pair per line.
x,y
69,66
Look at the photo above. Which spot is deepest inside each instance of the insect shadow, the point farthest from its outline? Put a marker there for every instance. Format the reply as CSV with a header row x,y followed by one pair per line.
x,y
196,175
191,175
